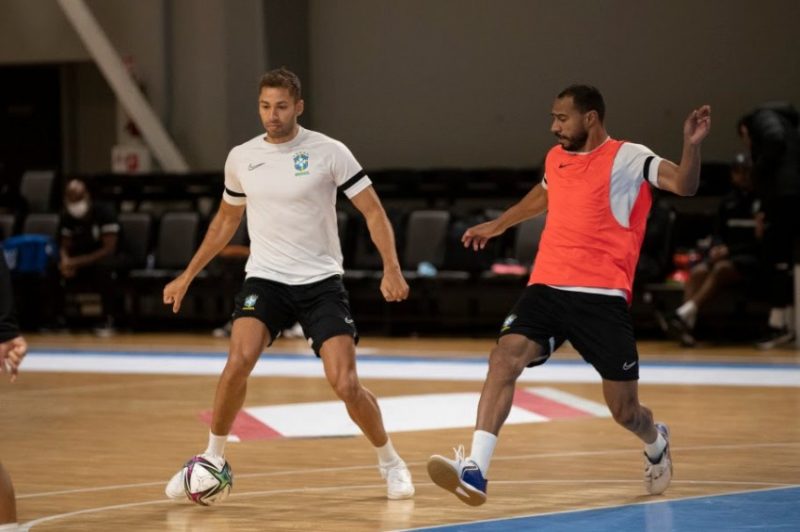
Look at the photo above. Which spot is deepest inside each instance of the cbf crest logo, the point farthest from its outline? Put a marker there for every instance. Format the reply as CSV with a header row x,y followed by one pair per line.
x,y
300,160
250,302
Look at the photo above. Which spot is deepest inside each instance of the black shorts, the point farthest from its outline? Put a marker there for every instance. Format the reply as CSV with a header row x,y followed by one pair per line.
x,y
598,327
322,308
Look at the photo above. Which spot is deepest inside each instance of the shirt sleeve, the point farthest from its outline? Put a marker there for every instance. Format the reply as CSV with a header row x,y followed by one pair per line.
x,y
639,162
107,219
348,175
233,193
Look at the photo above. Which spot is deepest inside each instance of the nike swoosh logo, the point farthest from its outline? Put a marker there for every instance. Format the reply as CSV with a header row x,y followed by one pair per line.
x,y
628,365
348,321
252,166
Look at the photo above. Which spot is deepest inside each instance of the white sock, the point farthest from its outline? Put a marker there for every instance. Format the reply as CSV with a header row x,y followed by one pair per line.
x,y
387,455
777,318
482,449
788,316
216,444
655,449
688,313
9,527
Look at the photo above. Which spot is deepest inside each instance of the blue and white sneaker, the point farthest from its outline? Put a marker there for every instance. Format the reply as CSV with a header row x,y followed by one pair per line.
x,y
461,477
658,473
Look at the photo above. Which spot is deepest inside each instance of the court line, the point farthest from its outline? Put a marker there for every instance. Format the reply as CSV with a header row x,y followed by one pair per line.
x,y
581,510
30,524
569,454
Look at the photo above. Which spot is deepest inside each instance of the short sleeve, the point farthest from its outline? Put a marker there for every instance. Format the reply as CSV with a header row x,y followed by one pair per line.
x,y
638,162
348,175
233,193
107,219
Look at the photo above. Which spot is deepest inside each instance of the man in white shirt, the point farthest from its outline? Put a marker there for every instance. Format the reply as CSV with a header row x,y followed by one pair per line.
x,y
288,179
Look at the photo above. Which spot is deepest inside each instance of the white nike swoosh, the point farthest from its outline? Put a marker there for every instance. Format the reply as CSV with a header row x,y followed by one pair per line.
x,y
626,366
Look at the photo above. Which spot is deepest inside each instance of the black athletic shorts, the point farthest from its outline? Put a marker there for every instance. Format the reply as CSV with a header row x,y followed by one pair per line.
x,y
598,327
322,308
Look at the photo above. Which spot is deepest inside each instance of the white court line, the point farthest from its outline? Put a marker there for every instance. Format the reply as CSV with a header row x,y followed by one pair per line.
x,y
293,472
642,503
25,527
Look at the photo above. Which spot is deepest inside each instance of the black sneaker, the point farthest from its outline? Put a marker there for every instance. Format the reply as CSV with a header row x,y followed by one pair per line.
x,y
775,338
680,331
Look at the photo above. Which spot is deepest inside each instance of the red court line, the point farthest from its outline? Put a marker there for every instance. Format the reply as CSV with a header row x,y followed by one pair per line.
x,y
246,427
545,407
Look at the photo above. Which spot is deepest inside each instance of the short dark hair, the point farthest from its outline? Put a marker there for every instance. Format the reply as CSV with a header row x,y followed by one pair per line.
x,y
586,98
282,78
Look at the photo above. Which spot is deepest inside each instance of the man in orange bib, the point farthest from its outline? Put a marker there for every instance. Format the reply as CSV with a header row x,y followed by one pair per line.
x,y
596,192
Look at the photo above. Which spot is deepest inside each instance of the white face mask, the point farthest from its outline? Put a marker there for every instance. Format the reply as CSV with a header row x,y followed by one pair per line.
x,y
78,209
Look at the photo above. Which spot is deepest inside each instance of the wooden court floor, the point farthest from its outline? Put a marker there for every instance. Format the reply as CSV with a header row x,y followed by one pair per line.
x,y
92,452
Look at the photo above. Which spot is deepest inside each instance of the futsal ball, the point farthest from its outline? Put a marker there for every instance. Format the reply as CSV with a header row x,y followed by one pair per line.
x,y
207,481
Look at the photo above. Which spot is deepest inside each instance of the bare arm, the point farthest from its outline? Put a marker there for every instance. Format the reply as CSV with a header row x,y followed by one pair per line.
x,y
108,247
684,179
220,232
393,285
533,204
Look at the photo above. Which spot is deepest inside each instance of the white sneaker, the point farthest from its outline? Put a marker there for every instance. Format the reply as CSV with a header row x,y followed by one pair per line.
x,y
462,477
398,481
658,474
176,489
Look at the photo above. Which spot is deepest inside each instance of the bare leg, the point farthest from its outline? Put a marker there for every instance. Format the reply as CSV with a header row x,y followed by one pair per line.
x,y
722,273
339,360
249,336
509,357
8,506
696,279
622,398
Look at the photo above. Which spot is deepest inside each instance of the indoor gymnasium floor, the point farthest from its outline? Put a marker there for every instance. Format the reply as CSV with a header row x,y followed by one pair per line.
x,y
94,428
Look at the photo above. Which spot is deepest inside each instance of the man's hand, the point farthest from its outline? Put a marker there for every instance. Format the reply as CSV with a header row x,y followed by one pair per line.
x,y
393,286
175,291
11,354
478,235
67,267
697,125
718,252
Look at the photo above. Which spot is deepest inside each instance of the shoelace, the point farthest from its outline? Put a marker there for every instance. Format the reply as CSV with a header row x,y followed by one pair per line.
x,y
459,453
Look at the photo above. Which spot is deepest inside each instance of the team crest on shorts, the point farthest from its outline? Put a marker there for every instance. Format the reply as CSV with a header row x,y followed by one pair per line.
x,y
300,160
250,302
509,320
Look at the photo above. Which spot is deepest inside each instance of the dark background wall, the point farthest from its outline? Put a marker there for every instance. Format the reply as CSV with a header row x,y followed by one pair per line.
x,y
418,83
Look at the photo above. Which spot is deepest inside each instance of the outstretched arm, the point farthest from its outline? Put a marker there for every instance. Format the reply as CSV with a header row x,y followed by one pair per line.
x,y
533,204
219,233
393,285
684,179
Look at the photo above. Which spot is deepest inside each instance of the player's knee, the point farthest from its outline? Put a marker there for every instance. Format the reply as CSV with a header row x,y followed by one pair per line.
x,y
347,388
506,363
626,413
242,361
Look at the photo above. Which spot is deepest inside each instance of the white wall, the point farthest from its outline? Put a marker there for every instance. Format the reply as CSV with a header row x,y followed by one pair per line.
x,y
469,83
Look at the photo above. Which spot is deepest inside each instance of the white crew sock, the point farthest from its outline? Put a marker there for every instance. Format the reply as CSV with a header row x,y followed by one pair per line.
x,y
688,313
387,455
788,318
482,449
655,449
216,444
777,317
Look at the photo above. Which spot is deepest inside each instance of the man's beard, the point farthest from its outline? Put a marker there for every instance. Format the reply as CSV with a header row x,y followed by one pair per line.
x,y
576,142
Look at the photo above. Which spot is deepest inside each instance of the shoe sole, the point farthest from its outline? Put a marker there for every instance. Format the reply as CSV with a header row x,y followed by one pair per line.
x,y
443,475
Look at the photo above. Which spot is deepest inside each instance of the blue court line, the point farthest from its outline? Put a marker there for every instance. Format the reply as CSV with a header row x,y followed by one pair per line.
x,y
771,509
400,358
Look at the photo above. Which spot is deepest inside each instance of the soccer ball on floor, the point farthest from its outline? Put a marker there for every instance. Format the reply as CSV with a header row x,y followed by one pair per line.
x,y
207,481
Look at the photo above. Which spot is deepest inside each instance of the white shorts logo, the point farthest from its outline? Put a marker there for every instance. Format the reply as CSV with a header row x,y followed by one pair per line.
x,y
628,365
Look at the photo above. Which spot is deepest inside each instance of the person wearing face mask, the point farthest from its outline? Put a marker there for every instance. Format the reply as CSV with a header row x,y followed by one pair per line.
x,y
89,233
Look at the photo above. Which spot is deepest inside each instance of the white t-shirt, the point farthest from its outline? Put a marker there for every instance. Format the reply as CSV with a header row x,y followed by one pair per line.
x,y
290,193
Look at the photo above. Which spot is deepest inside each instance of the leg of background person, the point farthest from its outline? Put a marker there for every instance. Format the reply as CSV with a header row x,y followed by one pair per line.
x,y
722,273
249,336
